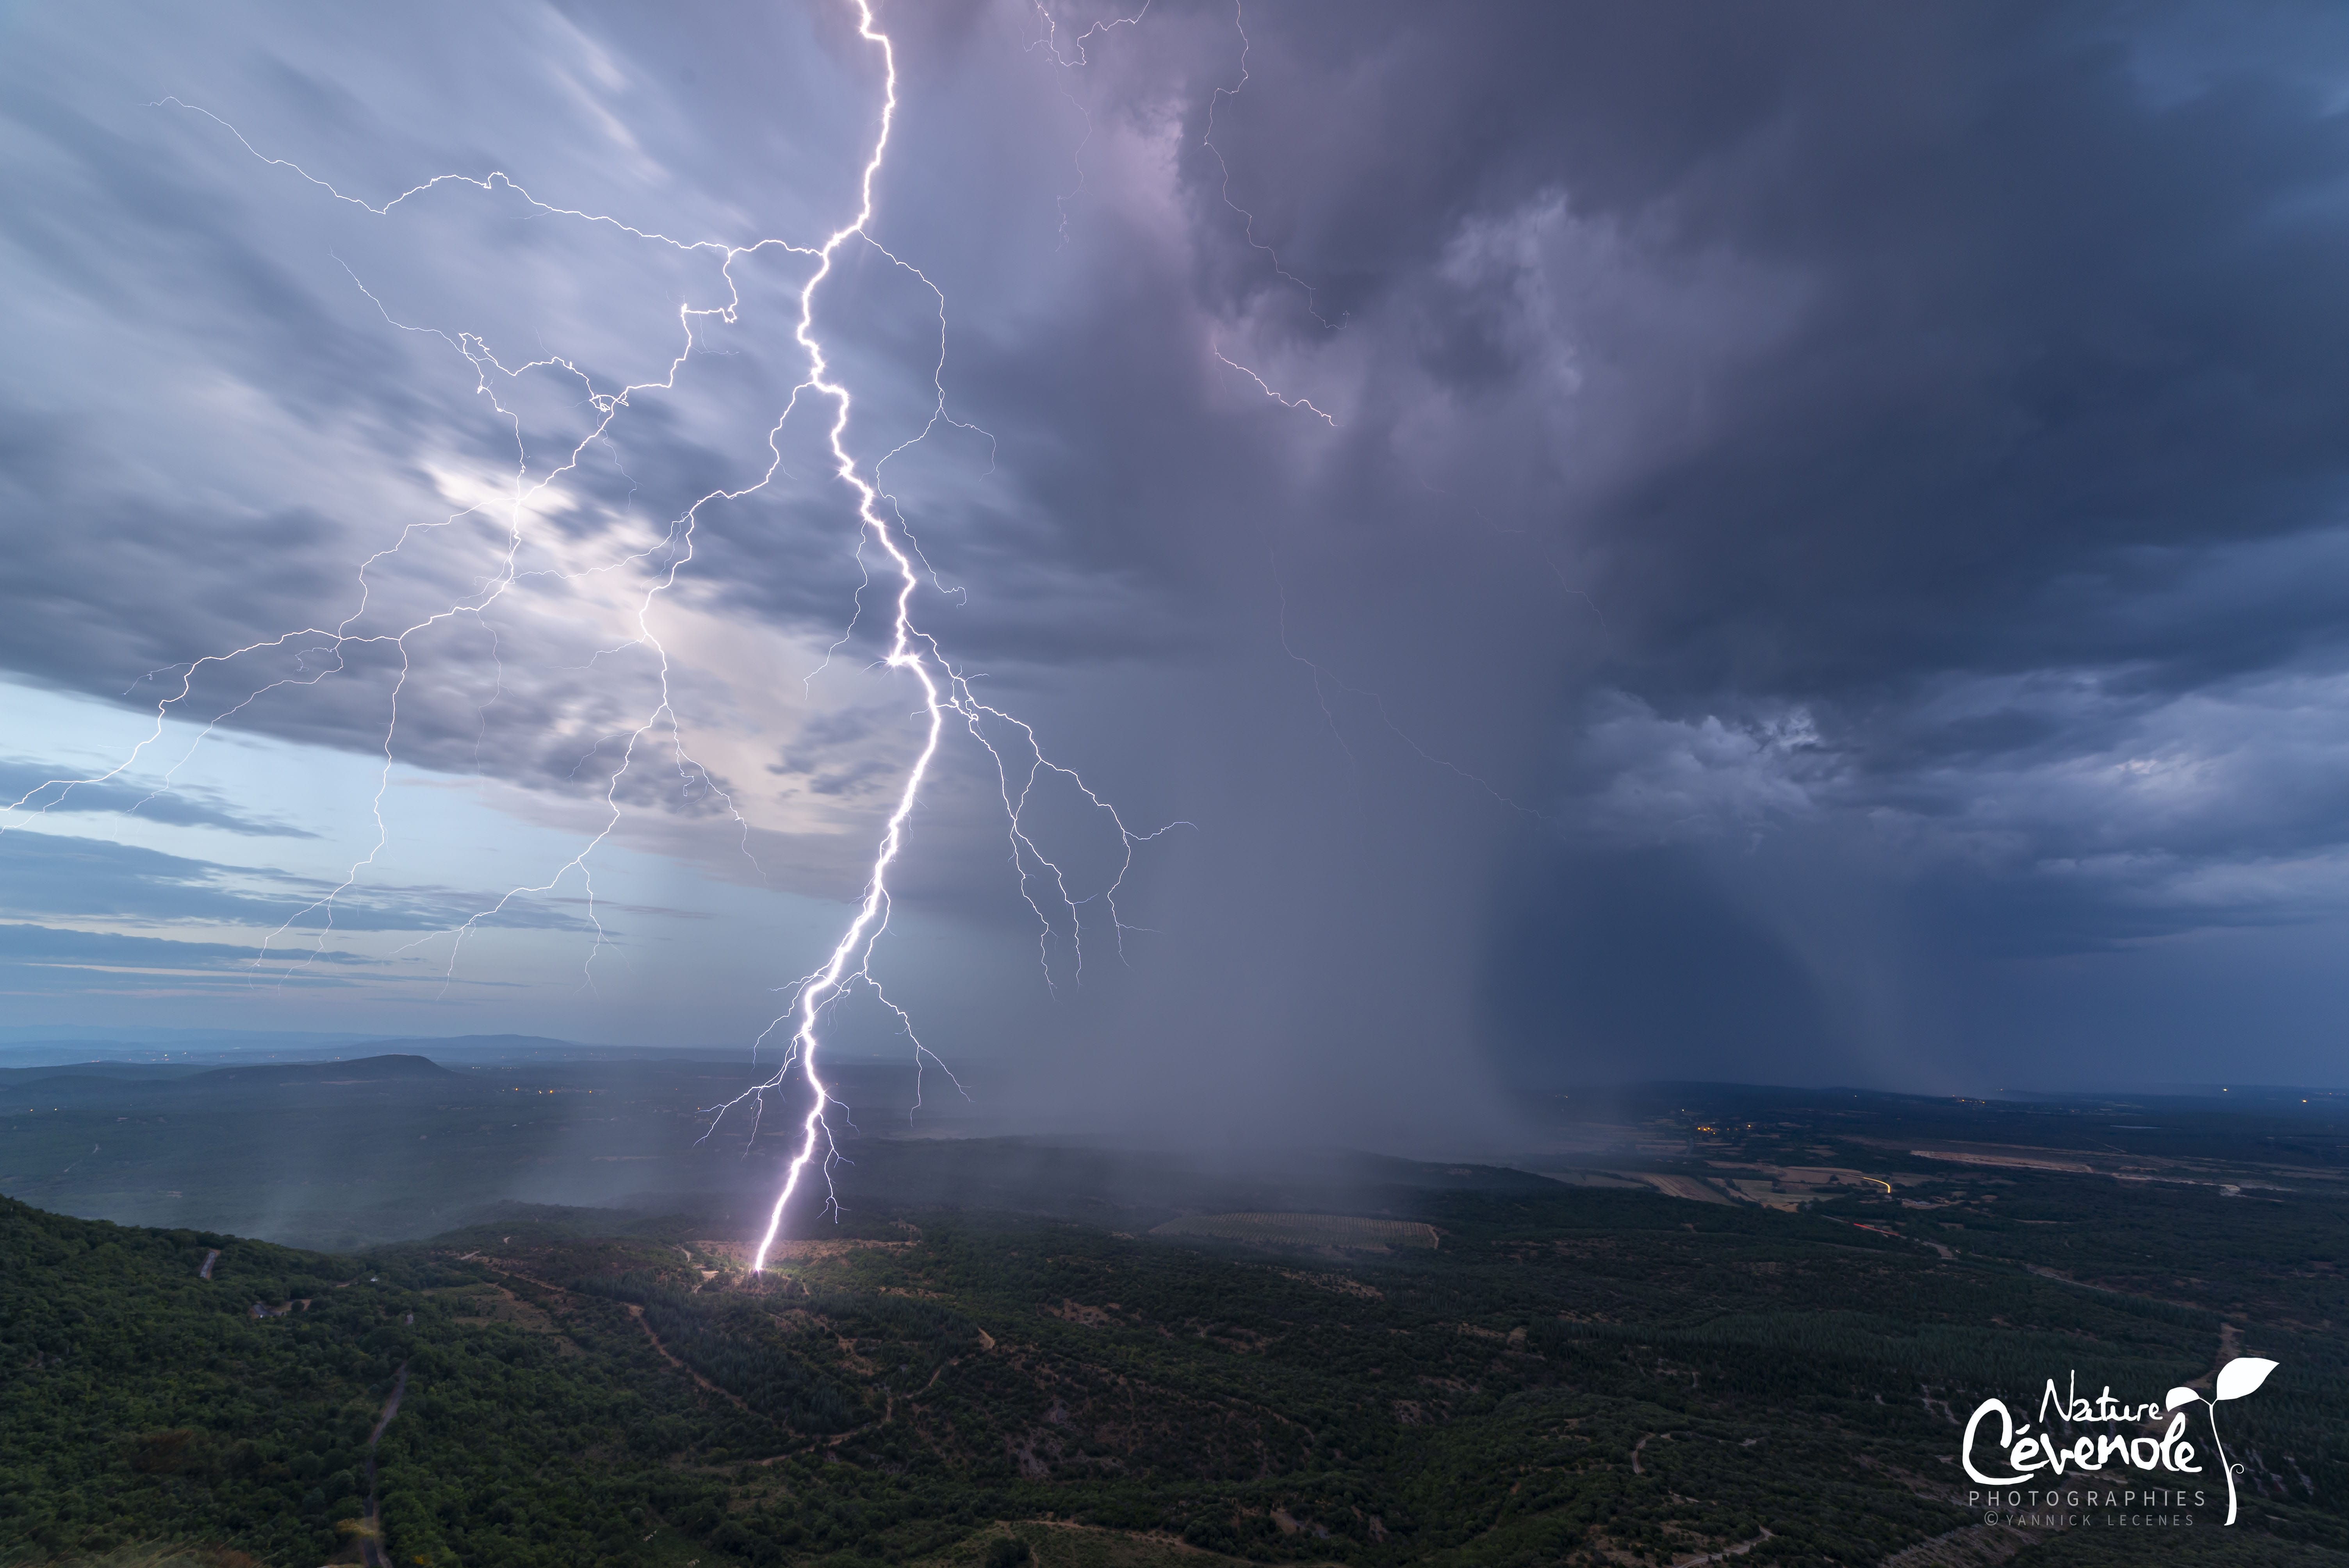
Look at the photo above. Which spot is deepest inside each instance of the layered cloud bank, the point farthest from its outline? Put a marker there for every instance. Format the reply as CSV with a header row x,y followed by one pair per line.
x,y
1784,544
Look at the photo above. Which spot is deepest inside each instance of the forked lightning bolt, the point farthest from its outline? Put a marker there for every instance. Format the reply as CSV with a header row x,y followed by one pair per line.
x,y
945,690
1019,761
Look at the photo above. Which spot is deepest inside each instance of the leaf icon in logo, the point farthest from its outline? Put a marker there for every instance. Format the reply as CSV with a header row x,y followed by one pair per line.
x,y
2242,1376
2181,1395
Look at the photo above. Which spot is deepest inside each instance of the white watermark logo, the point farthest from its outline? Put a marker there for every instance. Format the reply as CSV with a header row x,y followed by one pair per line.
x,y
2024,1455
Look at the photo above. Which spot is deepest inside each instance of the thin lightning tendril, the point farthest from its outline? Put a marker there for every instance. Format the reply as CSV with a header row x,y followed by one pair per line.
x,y
1248,226
1051,41
1304,403
1247,219
1050,44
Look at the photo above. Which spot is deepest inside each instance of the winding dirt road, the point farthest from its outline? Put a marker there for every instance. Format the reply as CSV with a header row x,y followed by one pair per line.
x,y
372,1551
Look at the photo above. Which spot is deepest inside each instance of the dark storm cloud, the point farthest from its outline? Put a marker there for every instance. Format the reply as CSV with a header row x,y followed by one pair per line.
x,y
1831,500
2065,334
2056,390
155,222
95,202
1898,445
142,541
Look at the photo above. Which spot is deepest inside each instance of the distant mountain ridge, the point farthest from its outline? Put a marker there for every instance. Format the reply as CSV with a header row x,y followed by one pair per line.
x,y
355,1070
133,1053
142,1071
388,1067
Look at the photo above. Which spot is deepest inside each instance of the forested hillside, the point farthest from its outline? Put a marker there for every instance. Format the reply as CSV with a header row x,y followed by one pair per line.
x,y
1570,1375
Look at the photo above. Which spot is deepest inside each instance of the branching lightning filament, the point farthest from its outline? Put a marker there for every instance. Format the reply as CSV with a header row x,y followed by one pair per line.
x,y
945,691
